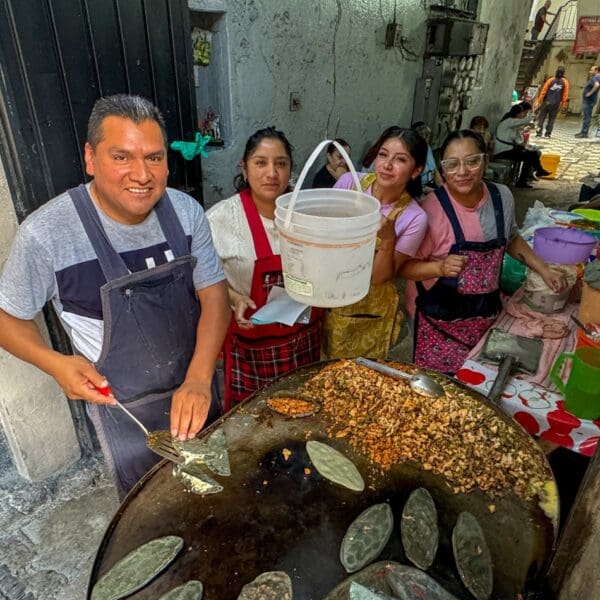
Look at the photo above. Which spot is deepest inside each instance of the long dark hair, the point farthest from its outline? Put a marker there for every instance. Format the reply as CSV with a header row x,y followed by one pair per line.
x,y
515,110
417,148
331,147
254,140
463,134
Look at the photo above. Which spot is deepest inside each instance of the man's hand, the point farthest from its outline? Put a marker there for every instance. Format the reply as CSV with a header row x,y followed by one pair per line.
x,y
79,379
189,409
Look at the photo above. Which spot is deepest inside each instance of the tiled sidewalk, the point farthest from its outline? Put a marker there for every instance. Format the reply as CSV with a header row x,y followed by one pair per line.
x,y
578,157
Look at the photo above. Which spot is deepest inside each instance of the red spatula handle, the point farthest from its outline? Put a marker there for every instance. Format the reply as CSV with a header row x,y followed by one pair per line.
x,y
105,391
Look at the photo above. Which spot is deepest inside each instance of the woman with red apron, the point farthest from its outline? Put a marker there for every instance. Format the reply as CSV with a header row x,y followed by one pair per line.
x,y
247,242
457,270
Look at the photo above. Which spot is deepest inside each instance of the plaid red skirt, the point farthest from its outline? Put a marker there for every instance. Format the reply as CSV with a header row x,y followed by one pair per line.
x,y
250,363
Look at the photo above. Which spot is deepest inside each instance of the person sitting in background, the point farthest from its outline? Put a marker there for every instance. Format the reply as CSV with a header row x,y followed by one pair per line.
x,y
510,143
247,242
334,168
482,126
430,177
553,97
457,267
589,191
370,326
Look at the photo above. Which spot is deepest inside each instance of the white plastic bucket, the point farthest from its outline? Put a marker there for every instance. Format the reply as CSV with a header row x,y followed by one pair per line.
x,y
327,240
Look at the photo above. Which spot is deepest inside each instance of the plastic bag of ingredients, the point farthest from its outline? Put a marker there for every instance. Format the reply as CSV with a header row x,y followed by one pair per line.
x,y
537,216
540,297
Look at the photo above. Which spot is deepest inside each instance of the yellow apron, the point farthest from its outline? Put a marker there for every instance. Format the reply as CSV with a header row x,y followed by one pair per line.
x,y
370,326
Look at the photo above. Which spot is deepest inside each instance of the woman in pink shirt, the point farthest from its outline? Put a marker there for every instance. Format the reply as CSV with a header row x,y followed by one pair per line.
x,y
456,297
371,325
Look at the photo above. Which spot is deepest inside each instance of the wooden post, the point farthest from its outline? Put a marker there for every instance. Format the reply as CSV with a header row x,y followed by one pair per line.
x,y
573,570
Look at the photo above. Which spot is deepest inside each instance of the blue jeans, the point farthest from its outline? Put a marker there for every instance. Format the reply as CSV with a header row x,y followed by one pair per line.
x,y
586,111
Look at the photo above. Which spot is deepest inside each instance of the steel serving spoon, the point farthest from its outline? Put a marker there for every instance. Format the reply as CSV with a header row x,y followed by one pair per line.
x,y
422,384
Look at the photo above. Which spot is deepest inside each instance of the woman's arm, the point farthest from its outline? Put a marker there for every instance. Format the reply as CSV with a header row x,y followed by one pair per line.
x,y
239,304
520,250
419,270
383,263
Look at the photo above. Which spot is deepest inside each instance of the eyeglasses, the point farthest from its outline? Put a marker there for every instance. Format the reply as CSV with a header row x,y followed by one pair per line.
x,y
471,163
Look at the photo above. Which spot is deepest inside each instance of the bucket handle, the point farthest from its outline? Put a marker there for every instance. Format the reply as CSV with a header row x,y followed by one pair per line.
x,y
304,172
555,373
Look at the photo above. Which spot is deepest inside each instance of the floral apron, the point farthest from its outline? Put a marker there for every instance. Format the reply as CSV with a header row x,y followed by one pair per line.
x,y
255,356
452,316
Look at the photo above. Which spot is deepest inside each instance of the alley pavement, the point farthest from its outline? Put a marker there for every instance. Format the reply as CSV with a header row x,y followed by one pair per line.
x,y
578,157
50,531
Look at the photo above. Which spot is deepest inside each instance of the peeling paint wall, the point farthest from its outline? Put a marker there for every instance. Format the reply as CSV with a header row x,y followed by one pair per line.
x,y
332,54
33,410
508,21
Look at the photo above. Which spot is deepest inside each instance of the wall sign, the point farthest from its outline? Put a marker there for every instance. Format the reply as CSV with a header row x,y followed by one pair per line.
x,y
587,38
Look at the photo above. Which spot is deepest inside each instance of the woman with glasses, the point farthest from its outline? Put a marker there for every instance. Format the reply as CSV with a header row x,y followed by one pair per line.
x,y
456,297
370,326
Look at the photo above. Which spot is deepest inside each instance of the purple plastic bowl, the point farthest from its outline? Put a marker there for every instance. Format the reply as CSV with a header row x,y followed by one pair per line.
x,y
563,246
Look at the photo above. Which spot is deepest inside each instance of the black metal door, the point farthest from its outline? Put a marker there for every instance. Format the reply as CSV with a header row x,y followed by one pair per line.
x,y
56,58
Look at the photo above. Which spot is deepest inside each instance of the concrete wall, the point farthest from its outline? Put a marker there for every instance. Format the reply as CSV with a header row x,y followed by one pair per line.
x,y
332,55
588,8
33,410
507,20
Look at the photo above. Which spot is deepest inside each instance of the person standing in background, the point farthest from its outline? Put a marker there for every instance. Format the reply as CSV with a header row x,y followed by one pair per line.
x,y
590,95
540,20
553,97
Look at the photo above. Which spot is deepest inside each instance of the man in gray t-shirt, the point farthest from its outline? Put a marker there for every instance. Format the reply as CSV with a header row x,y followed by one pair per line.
x,y
134,277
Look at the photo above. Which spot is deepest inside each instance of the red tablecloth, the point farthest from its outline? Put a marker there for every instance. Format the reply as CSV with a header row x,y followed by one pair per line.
x,y
532,399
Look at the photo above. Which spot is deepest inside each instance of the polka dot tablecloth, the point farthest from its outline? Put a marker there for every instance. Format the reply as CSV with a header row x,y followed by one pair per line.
x,y
539,410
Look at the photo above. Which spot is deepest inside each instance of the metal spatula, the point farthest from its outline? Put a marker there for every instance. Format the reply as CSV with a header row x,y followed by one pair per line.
x,y
160,442
510,351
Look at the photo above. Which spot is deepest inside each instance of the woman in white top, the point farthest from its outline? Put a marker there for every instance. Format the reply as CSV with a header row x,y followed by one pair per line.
x,y
245,237
510,143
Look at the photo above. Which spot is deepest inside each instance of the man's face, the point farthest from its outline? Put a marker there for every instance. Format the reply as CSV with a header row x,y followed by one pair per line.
x,y
129,167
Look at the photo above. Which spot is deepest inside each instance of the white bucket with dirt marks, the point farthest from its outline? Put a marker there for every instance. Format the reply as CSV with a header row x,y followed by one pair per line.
x,y
327,240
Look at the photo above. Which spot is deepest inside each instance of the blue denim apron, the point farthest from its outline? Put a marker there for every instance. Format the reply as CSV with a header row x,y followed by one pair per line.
x,y
453,315
150,319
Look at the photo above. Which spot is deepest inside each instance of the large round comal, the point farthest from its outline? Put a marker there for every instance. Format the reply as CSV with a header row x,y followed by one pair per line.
x,y
277,512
